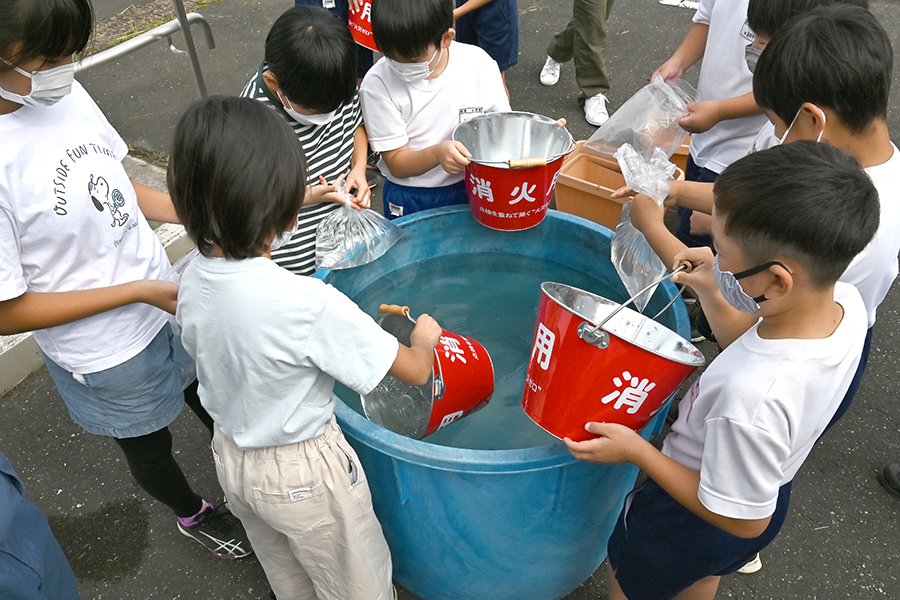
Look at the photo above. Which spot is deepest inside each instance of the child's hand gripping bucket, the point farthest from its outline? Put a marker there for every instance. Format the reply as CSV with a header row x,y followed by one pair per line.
x,y
516,157
360,23
462,381
622,370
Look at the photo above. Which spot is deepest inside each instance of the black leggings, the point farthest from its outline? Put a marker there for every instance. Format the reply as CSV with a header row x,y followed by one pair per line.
x,y
153,466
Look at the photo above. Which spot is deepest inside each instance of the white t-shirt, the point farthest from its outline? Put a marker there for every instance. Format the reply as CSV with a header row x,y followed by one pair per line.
x,y
752,418
724,74
875,268
269,345
69,220
425,113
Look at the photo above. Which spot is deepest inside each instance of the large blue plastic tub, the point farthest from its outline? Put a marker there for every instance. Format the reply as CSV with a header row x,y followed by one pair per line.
x,y
529,524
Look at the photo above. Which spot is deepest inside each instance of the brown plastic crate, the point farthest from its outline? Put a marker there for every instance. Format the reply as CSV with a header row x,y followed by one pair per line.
x,y
586,182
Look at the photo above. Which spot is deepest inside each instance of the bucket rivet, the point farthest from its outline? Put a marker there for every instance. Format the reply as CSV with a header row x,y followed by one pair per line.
x,y
593,335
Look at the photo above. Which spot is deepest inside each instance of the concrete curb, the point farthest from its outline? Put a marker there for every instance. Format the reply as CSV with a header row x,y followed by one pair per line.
x,y
19,354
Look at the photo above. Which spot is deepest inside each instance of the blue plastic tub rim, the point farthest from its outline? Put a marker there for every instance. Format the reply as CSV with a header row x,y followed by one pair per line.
x,y
463,460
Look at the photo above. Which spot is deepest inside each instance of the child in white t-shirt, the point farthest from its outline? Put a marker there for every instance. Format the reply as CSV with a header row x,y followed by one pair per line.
x,y
414,98
80,266
269,346
786,223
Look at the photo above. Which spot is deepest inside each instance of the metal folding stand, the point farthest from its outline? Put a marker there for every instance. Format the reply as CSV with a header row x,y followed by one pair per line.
x,y
182,22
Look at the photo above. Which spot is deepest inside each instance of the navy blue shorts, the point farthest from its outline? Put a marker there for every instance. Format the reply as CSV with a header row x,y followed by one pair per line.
x,y
666,548
494,28
402,200
693,173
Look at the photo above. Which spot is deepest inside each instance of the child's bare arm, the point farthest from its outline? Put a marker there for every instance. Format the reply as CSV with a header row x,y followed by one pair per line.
x,y
647,216
414,364
156,205
468,7
403,162
727,322
689,52
39,310
619,444
356,179
705,115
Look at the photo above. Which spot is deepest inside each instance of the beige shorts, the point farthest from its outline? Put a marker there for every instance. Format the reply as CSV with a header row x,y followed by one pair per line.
x,y
307,510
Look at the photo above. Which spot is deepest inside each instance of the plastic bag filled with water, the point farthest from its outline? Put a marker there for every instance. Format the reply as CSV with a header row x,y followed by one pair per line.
x,y
635,261
350,237
648,178
648,120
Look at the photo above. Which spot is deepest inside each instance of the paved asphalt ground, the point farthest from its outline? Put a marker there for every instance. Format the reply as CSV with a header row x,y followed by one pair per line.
x,y
841,536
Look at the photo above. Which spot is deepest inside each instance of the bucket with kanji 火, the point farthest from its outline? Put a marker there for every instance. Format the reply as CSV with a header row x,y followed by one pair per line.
x,y
595,360
461,382
516,157
360,23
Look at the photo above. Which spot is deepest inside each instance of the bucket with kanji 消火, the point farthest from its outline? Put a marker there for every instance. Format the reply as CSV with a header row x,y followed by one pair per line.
x,y
360,23
461,382
595,360
516,157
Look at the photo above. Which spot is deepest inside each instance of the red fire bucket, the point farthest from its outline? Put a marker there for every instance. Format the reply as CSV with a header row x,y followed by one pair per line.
x,y
360,24
620,371
516,158
462,381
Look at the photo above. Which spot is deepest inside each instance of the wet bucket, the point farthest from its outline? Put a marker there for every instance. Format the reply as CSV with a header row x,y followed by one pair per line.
x,y
516,158
462,381
622,370
360,24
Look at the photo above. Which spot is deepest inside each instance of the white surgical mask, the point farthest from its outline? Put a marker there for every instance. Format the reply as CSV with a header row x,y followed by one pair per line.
x,y
788,130
47,87
284,237
317,119
413,72
751,55
731,289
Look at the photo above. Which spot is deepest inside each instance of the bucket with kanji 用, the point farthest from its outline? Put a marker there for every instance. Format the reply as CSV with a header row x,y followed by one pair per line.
x,y
461,382
360,23
516,158
595,360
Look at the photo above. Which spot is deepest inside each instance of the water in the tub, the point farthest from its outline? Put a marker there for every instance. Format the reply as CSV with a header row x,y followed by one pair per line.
x,y
492,298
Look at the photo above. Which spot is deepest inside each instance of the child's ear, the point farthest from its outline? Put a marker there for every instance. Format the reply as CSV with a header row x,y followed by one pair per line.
x,y
271,81
782,282
811,122
447,38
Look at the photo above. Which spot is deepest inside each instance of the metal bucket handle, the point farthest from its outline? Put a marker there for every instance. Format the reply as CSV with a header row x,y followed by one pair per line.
x,y
439,387
527,163
593,334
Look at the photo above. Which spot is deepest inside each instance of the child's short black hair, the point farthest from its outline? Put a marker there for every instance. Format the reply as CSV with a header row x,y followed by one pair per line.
x,y
837,57
405,29
51,29
766,17
806,201
313,57
236,175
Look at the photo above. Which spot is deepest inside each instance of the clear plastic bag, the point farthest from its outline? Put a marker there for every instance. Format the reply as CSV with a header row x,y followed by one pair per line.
x,y
648,120
350,237
635,261
185,364
648,178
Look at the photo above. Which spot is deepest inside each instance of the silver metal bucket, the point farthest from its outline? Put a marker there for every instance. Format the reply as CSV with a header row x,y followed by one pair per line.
x,y
514,139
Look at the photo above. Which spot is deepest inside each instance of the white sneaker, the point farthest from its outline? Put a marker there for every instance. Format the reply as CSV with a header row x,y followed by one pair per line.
x,y
550,72
751,567
595,110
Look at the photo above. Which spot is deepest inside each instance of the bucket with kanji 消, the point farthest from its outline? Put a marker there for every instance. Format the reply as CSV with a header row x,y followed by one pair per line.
x,y
595,360
461,382
360,23
516,157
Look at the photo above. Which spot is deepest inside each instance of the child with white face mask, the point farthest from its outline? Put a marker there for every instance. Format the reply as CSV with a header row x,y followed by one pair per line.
x,y
81,267
309,78
414,98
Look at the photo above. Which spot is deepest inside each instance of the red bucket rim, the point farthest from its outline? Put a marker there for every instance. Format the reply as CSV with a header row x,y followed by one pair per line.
x,y
681,351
